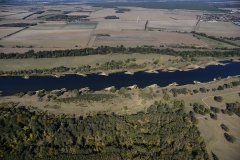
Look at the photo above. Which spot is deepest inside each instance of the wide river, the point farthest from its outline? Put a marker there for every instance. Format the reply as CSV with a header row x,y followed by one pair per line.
x,y
12,85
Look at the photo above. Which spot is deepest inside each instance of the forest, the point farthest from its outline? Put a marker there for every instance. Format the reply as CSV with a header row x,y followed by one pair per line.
x,y
163,132
103,50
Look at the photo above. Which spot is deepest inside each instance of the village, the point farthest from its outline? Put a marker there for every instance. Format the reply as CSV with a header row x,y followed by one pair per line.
x,y
232,16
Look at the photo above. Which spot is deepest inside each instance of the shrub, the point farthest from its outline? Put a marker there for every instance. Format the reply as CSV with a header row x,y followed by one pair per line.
x,y
213,116
195,91
218,98
30,93
224,127
229,138
203,90
215,109
19,94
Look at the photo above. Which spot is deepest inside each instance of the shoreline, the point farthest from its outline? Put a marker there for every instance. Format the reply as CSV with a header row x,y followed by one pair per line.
x,y
149,71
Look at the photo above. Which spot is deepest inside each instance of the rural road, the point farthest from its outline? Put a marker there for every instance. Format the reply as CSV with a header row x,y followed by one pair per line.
x,y
213,96
217,95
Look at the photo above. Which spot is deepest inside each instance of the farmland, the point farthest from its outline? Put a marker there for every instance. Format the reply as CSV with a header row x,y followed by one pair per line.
x,y
135,27
104,38
217,28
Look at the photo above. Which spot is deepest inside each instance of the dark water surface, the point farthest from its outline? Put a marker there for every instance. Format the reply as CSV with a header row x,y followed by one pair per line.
x,y
12,85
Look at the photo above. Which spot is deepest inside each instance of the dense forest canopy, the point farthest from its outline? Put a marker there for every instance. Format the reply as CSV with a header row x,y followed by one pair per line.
x,y
164,132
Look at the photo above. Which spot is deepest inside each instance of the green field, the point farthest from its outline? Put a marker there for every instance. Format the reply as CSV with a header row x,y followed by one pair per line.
x,y
25,64
215,44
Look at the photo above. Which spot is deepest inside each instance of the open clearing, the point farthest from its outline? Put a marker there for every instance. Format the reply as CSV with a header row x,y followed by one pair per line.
x,y
219,29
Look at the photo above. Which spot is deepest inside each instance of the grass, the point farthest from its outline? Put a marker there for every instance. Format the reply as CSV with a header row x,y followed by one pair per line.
x,y
24,64
214,43
46,16
213,135
210,129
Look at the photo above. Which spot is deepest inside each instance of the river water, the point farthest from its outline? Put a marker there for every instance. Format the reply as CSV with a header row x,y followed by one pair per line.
x,y
12,85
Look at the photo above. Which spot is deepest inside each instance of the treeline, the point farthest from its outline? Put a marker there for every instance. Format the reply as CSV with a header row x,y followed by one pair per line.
x,y
122,10
111,17
18,24
145,28
86,97
215,38
232,38
158,5
62,17
227,85
38,12
162,133
60,69
14,33
103,50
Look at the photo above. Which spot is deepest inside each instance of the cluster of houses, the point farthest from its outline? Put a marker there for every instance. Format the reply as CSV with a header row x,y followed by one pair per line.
x,y
233,16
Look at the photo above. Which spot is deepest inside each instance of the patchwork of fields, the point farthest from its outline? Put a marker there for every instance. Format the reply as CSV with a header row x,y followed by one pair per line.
x,y
136,27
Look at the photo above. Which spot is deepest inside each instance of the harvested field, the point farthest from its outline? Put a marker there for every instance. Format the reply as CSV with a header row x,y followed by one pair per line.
x,y
25,49
64,26
4,31
117,25
173,25
2,14
48,38
218,29
139,38
51,35
149,14
18,16
7,21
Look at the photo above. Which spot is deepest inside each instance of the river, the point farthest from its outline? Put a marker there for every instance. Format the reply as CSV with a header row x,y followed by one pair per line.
x,y
12,85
